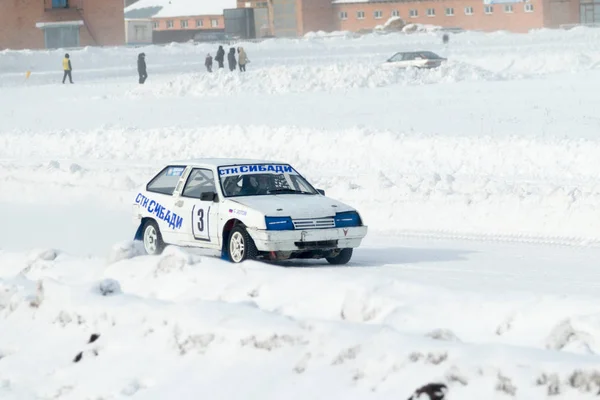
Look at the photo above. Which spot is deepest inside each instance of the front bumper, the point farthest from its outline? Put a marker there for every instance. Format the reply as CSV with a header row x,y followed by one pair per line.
x,y
308,239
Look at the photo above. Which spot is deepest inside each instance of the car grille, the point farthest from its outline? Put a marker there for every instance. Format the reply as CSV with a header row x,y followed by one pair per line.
x,y
318,223
323,244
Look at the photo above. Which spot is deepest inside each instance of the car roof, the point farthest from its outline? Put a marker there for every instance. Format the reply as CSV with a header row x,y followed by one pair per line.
x,y
414,51
219,162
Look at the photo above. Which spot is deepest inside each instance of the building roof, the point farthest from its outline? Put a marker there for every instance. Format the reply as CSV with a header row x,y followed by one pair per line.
x,y
351,1
177,8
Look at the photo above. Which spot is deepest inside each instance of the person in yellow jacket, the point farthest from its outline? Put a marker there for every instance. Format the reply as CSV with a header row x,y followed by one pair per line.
x,y
67,68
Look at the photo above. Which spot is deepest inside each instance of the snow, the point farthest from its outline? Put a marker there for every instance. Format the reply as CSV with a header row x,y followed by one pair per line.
x,y
478,182
183,8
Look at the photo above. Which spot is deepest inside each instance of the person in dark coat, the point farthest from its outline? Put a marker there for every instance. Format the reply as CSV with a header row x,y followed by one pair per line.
x,y
208,63
445,38
142,68
231,59
67,68
220,58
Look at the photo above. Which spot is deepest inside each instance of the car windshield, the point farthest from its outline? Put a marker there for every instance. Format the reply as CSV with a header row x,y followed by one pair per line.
x,y
262,180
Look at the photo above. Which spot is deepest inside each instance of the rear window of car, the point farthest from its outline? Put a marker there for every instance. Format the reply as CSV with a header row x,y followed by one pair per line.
x,y
429,55
166,180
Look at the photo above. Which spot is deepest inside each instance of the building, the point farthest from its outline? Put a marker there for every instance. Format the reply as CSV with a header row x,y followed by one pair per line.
x,y
298,17
290,18
177,20
486,15
38,24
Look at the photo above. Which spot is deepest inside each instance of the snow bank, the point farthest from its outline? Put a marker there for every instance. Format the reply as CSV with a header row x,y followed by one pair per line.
x,y
283,79
540,189
538,52
84,329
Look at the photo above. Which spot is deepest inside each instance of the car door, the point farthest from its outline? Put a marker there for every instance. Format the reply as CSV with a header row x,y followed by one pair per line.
x,y
200,205
409,60
157,202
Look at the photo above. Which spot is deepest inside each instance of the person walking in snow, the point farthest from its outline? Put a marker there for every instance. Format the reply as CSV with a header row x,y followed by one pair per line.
x,y
208,62
141,64
220,58
242,59
231,59
67,68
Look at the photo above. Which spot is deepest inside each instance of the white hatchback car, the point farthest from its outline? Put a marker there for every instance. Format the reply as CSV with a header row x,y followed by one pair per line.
x,y
414,59
253,209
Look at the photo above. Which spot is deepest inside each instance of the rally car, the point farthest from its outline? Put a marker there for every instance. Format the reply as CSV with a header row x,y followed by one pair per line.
x,y
244,209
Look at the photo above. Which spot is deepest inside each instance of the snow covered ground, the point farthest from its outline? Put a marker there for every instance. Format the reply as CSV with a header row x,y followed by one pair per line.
x,y
478,182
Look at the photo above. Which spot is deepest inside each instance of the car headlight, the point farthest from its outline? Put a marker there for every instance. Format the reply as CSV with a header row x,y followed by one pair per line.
x,y
279,223
347,219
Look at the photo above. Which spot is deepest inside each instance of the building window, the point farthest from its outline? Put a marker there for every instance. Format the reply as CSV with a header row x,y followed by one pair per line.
x,y
343,15
489,9
468,10
360,14
378,14
60,4
62,36
528,7
214,23
450,11
431,12
183,23
414,13
508,8
155,24
395,13
169,24
199,23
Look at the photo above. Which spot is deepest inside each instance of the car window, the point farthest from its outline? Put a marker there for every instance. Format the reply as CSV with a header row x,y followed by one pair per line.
x,y
200,181
262,180
166,180
408,57
429,55
396,57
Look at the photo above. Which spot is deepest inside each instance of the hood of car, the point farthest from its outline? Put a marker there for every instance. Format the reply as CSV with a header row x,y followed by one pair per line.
x,y
294,205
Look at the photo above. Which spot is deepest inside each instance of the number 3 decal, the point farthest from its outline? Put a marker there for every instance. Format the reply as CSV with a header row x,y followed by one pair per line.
x,y
200,220
200,227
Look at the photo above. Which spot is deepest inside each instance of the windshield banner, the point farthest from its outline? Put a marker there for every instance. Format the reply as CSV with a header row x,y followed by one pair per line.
x,y
257,169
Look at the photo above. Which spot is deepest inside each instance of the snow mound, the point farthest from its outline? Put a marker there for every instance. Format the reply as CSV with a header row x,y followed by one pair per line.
x,y
282,79
498,187
125,250
89,346
109,287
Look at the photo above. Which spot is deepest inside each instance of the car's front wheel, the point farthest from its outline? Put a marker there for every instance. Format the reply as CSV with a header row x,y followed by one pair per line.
x,y
240,245
153,243
342,258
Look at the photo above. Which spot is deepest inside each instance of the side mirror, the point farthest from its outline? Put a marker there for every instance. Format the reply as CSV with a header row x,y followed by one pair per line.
x,y
321,191
208,196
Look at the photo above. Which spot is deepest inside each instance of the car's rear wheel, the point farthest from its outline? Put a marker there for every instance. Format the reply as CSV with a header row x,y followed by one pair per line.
x,y
153,243
240,245
342,258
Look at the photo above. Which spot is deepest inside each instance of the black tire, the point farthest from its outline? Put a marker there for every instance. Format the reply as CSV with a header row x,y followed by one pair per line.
x,y
248,252
152,239
342,258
